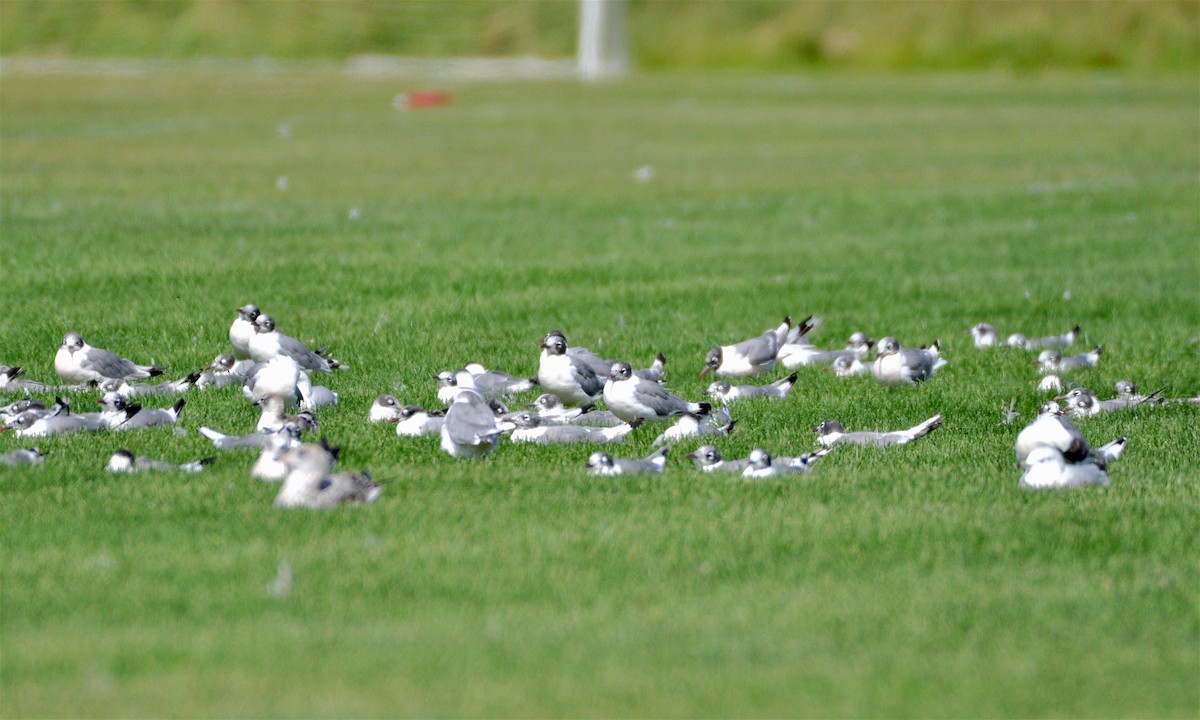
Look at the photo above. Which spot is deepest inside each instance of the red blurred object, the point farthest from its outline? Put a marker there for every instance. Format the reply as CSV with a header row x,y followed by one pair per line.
x,y
423,99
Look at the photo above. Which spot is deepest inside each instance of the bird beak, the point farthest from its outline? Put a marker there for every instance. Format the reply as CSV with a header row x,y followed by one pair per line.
x,y
1060,397
691,455
704,371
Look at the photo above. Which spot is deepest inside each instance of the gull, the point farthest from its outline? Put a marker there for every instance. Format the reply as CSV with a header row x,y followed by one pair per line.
x,y
1047,468
1018,340
242,330
78,362
574,380
1052,360
1082,402
308,483
761,466
128,390
830,433
224,370
496,384
251,441
601,463
630,397
270,466
11,383
61,409
274,415
726,393
847,365
32,456
1126,389
600,365
552,410
656,371
386,408
692,425
491,384
709,459
529,429
281,376
115,406
470,429
415,421
1051,428
983,334
896,365
10,411
798,354
267,343
1050,383
447,386
30,424
124,461
754,356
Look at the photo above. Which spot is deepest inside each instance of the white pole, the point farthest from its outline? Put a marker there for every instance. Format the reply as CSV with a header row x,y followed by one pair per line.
x,y
601,52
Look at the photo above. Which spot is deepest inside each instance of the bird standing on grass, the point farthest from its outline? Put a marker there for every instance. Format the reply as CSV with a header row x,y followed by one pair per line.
x,y
750,357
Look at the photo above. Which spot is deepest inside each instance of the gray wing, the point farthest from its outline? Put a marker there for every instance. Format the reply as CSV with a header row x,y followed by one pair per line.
x,y
586,376
470,421
865,438
110,365
299,352
759,350
598,365
919,363
255,441
145,463
749,391
345,488
656,397
570,434
733,466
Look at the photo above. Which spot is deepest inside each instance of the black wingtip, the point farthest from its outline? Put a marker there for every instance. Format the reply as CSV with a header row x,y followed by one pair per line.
x,y
193,377
637,423
661,358
791,379
178,405
334,451
705,408
155,371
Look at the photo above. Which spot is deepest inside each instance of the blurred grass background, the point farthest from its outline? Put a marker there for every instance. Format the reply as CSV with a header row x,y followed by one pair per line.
x,y
1135,35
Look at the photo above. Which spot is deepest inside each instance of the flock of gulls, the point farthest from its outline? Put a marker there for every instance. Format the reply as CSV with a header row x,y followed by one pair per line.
x,y
583,398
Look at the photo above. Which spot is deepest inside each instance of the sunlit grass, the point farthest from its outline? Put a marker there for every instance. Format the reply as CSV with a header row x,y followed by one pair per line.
x,y
141,210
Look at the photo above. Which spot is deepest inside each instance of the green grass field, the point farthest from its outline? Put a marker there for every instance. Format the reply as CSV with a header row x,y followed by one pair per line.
x,y
141,209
